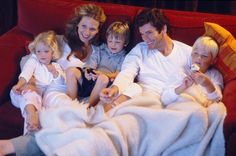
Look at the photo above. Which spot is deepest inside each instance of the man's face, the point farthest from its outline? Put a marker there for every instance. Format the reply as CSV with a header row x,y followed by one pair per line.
x,y
150,35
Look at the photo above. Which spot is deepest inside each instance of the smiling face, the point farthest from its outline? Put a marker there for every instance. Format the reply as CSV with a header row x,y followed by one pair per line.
x,y
87,29
43,53
115,43
151,36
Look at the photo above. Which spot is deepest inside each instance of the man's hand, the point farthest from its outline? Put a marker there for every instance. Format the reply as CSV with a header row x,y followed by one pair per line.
x,y
107,95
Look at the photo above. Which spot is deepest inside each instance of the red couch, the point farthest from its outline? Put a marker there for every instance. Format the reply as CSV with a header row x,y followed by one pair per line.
x,y
40,15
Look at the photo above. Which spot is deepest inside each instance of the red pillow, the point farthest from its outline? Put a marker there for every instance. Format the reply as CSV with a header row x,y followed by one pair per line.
x,y
226,59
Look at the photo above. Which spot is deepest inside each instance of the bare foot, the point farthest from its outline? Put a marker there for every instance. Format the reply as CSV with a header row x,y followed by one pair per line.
x,y
32,121
6,147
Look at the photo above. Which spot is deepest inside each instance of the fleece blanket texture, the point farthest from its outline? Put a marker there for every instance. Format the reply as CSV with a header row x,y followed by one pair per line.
x,y
137,127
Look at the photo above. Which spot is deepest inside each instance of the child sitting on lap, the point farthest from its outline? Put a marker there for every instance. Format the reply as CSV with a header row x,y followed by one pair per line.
x,y
104,64
41,68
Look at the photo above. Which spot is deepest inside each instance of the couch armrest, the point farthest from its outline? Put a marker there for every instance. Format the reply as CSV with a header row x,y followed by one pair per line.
x,y
229,99
12,48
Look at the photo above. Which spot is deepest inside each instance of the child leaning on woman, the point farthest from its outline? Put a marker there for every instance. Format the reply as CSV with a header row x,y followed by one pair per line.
x,y
104,64
37,73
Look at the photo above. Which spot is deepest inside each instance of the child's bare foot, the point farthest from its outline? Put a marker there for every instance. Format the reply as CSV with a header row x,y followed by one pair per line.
x,y
32,121
6,147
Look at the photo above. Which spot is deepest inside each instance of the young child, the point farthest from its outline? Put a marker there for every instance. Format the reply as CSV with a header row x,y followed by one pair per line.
x,y
104,64
40,67
206,82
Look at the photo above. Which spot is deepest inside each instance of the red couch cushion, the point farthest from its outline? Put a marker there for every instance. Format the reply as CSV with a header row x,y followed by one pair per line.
x,y
34,18
226,59
188,26
11,50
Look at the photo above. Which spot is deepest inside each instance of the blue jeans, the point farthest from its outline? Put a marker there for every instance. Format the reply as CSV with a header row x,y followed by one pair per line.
x,y
26,145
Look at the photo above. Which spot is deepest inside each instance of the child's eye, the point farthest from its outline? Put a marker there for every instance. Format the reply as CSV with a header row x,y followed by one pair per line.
x,y
204,57
195,54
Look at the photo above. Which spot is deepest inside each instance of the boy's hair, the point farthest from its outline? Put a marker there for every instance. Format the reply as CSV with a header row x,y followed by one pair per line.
x,y
209,45
119,29
154,16
48,38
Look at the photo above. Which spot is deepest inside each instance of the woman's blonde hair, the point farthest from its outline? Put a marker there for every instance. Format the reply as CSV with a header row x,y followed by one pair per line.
x,y
119,29
208,44
48,38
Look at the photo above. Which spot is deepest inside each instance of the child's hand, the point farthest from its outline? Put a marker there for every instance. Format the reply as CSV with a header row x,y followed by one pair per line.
x,y
201,79
52,70
17,89
90,74
204,81
187,82
95,74
87,74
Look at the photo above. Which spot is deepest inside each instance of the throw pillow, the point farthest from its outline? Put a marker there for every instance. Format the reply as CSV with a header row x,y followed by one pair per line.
x,y
226,59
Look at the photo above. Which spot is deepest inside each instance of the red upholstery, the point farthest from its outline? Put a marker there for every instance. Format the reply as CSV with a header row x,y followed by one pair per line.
x,y
40,15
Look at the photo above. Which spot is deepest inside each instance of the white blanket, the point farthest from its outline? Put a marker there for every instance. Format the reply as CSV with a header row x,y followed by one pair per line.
x,y
138,127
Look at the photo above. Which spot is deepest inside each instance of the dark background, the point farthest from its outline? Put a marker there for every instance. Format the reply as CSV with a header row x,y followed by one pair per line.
x,y
8,8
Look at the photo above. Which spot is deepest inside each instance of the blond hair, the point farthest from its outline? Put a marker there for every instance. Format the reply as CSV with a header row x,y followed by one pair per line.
x,y
92,11
119,29
48,38
208,44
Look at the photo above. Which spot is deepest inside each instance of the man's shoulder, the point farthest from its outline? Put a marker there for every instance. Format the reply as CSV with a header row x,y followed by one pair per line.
x,y
139,47
181,44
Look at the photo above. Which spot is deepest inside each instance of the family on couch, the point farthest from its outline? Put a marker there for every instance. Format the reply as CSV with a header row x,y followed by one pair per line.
x,y
161,66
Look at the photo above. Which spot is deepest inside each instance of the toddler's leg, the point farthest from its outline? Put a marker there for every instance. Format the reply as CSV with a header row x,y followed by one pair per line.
x,y
73,76
32,118
33,104
101,83
30,102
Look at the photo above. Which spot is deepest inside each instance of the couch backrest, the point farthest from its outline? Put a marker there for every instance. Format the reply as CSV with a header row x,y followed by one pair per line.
x,y
188,26
39,15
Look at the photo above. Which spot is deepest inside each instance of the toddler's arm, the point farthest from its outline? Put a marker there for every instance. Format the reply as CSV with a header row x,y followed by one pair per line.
x,y
171,94
19,86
